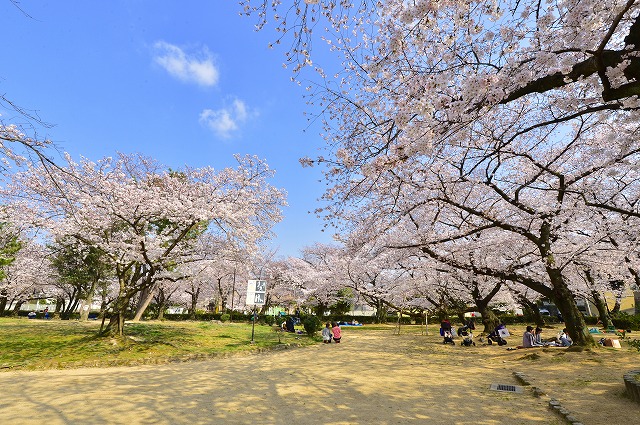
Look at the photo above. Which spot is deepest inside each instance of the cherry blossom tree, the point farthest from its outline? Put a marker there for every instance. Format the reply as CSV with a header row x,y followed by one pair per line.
x,y
512,122
166,293
289,279
29,276
143,217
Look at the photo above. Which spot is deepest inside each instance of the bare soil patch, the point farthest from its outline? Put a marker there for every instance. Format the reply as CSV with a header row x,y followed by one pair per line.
x,y
372,377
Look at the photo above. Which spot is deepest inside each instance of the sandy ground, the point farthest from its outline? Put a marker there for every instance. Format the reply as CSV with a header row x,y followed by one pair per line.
x,y
372,377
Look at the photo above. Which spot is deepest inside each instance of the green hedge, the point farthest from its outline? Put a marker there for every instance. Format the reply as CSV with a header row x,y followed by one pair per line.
x,y
591,320
236,317
625,321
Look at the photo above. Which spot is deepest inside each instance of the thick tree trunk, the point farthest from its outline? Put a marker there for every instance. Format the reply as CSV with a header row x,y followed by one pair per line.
x,y
16,308
636,301
143,302
84,310
601,305
194,301
86,301
562,296
3,303
489,319
161,302
118,316
565,300
381,311
222,294
161,308
59,305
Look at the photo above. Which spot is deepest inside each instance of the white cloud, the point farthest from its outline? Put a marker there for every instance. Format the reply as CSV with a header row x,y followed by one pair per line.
x,y
224,122
197,69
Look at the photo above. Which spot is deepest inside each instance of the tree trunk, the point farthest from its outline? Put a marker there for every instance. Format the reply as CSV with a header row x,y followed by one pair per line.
x,y
616,307
533,309
143,302
489,319
381,312
16,309
161,302
636,301
562,296
59,305
161,308
72,307
3,301
86,301
194,300
601,305
116,323
565,300
84,310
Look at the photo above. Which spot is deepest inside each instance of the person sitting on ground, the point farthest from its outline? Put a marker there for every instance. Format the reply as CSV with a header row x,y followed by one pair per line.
x,y
565,341
289,324
337,334
537,337
528,339
326,333
498,334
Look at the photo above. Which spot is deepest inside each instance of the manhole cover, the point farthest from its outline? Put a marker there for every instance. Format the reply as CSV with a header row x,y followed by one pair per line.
x,y
507,388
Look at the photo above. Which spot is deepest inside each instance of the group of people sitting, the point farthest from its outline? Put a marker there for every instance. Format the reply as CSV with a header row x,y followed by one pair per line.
x,y
331,331
533,338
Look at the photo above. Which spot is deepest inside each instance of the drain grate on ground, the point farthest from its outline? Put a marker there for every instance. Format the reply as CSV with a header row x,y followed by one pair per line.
x,y
506,388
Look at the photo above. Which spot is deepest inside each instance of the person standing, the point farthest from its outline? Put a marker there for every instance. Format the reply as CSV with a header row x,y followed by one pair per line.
x,y
337,334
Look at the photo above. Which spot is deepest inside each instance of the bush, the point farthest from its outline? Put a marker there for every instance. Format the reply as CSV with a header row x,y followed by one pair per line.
x,y
511,319
625,321
269,320
591,320
405,320
225,317
312,324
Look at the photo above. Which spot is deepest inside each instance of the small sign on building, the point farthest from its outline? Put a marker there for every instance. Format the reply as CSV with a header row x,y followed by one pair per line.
x,y
256,292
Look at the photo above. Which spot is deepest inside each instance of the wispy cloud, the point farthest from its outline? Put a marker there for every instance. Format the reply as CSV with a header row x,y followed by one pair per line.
x,y
226,121
191,68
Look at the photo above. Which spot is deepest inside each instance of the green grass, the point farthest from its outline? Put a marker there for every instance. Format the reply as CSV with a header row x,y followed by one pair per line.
x,y
39,344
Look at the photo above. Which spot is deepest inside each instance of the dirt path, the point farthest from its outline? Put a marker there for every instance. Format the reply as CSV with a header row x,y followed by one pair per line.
x,y
370,378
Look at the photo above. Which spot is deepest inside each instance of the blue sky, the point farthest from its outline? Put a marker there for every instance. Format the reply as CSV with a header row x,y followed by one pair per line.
x,y
187,83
